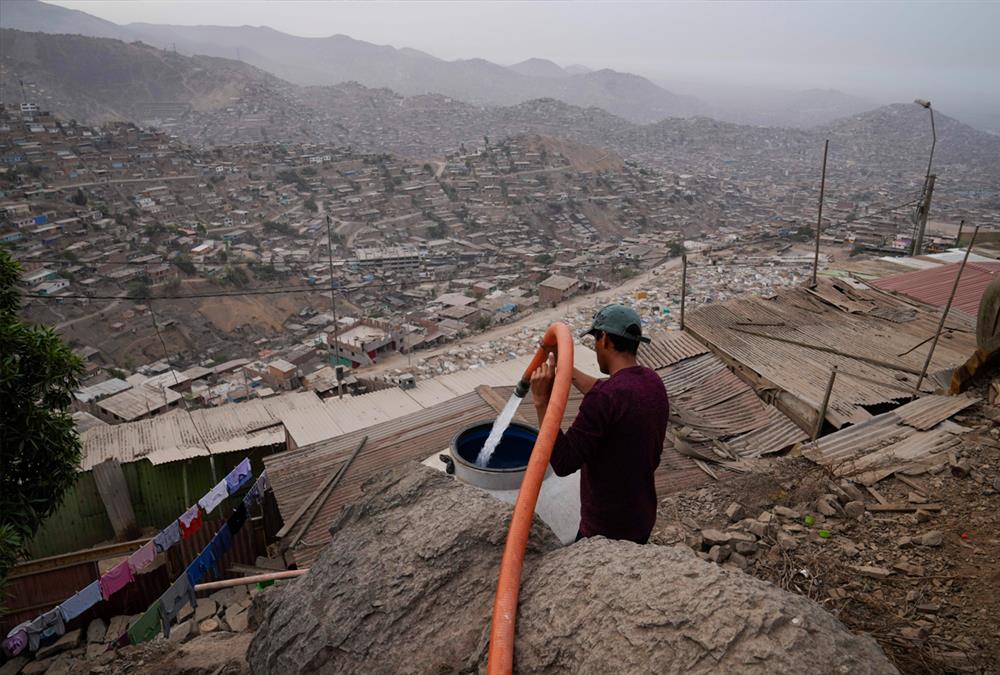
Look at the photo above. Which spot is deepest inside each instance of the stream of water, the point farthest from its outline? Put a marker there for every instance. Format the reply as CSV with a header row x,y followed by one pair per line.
x,y
496,433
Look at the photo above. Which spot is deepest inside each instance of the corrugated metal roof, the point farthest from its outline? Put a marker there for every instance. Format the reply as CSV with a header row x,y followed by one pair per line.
x,y
141,400
668,348
778,434
359,412
102,389
176,435
929,411
305,427
890,442
933,286
759,334
851,441
709,399
920,449
84,421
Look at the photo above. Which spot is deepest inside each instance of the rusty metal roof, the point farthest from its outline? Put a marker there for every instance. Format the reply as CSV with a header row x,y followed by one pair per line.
x,y
793,340
933,286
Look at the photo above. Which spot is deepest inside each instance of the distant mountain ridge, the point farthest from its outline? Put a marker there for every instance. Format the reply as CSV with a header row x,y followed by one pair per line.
x,y
212,101
339,58
101,79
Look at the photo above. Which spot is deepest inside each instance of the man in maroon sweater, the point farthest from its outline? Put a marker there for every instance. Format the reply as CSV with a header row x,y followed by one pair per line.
x,y
617,437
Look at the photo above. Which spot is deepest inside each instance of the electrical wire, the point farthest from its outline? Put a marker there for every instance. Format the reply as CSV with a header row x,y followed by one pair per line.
x,y
270,291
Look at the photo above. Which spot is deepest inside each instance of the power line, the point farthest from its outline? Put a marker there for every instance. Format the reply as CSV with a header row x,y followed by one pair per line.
x,y
269,291
176,263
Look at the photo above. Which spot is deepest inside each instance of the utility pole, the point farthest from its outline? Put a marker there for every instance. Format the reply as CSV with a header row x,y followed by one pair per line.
x,y
958,239
819,216
925,207
333,304
947,308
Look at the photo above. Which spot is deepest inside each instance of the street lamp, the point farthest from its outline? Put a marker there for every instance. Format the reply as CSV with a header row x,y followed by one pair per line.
x,y
927,104
920,221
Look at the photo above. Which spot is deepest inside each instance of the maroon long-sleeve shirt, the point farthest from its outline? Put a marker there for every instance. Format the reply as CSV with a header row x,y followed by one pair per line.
x,y
616,442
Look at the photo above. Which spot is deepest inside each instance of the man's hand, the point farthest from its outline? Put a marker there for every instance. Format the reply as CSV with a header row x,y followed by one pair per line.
x,y
541,382
552,350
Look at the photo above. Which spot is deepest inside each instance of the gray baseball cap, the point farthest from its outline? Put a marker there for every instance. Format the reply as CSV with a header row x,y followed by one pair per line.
x,y
618,320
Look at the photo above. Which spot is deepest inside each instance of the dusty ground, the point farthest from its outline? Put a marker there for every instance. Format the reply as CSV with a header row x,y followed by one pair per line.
x,y
262,314
938,610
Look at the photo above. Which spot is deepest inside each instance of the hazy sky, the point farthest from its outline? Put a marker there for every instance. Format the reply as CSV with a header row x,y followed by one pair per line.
x,y
888,51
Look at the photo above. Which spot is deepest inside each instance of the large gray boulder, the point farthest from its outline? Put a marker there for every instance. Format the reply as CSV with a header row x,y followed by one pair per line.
x,y
407,585
602,606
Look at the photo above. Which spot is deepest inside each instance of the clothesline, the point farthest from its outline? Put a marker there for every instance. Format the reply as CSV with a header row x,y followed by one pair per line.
x,y
159,615
30,634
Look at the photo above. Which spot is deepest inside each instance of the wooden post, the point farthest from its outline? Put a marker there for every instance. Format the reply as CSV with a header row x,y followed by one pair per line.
x,y
826,402
684,285
958,239
819,216
245,581
111,485
947,307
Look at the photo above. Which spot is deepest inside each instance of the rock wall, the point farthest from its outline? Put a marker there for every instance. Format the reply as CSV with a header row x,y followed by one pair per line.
x,y
407,585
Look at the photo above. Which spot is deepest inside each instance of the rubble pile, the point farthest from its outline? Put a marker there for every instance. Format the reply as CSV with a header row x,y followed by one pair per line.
x,y
907,561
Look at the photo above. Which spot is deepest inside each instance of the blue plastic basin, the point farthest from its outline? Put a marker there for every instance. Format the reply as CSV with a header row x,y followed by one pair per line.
x,y
512,453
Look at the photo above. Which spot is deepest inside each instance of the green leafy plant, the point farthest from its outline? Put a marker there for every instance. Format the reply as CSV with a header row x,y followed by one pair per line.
x,y
39,445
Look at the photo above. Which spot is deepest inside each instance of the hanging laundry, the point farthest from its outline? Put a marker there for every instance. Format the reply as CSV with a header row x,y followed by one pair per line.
x,y
84,599
142,559
167,537
264,482
190,521
115,579
238,477
16,641
236,520
253,495
147,626
204,564
44,627
173,600
221,542
214,497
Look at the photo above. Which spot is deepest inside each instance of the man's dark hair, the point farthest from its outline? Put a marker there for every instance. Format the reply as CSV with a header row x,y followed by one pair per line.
x,y
622,344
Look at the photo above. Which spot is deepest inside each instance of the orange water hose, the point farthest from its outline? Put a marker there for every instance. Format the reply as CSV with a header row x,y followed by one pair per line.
x,y
501,654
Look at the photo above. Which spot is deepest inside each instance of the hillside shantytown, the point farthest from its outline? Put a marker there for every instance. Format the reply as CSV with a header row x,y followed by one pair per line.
x,y
300,298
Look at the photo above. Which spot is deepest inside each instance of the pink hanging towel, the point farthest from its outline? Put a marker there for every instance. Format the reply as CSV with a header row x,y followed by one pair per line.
x,y
143,558
116,578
